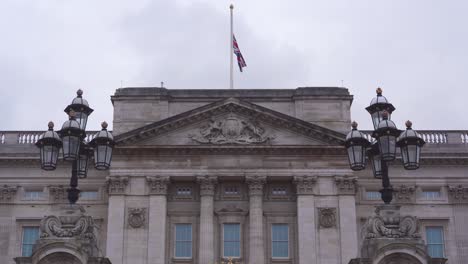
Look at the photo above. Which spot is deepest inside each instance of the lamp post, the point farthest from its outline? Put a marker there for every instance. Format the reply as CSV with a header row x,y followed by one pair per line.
x,y
383,149
71,141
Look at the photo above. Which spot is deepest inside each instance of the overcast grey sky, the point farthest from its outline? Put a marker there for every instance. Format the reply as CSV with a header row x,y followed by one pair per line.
x,y
416,50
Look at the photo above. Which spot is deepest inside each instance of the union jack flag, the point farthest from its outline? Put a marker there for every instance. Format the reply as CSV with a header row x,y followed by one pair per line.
x,y
240,59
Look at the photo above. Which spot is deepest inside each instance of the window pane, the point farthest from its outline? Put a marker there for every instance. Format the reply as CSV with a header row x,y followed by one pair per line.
x,y
231,236
30,235
429,195
89,195
183,240
373,195
280,243
435,241
33,195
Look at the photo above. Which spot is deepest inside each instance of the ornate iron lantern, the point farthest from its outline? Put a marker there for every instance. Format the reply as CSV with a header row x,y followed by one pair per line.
x,y
71,135
81,108
356,145
49,144
386,134
410,143
103,143
378,106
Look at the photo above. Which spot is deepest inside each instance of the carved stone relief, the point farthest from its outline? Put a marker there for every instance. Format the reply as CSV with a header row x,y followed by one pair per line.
x,y
327,217
58,193
458,194
136,217
346,184
158,184
255,184
305,184
7,193
232,130
116,185
207,184
405,194
387,222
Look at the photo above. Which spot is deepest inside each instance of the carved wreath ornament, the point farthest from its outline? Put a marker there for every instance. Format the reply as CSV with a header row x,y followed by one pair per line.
x,y
232,130
137,217
327,217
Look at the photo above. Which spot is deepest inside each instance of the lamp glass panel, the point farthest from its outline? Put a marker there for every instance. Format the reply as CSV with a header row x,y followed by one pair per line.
x,y
71,147
376,166
82,118
387,145
49,156
356,156
102,156
82,166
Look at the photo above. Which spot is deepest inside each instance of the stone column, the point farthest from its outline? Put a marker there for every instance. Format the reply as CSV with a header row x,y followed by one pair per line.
x,y
306,225
116,217
157,219
346,188
207,189
256,247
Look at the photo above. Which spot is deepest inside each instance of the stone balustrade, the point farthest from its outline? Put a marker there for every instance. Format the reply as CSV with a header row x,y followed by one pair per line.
x,y
436,136
29,137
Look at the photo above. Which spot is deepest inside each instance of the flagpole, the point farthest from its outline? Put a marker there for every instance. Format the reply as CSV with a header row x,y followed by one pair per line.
x,y
231,50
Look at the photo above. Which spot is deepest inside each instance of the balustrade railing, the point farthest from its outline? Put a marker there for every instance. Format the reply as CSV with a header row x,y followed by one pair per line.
x,y
436,136
30,137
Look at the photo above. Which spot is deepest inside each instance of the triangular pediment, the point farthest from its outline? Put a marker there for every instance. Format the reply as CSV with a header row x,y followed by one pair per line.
x,y
231,122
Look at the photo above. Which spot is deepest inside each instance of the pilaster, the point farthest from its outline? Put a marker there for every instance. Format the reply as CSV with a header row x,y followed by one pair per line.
x,y
116,187
346,190
157,219
256,247
207,190
307,227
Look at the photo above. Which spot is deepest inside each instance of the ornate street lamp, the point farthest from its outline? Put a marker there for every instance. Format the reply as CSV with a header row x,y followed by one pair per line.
x,y
383,149
71,140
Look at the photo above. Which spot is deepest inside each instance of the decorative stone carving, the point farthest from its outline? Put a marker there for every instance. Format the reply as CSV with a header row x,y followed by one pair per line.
x,y
327,217
405,194
116,185
458,194
346,184
136,217
7,193
207,184
255,183
67,226
387,222
158,184
305,184
232,130
58,193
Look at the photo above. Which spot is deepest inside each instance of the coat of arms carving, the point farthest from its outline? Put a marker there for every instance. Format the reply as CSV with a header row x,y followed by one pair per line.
x,y
232,130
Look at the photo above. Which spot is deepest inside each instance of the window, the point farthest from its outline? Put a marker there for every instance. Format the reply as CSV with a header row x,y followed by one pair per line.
x,y
231,190
373,195
280,190
89,195
33,195
431,195
231,240
184,191
30,235
183,240
435,241
279,241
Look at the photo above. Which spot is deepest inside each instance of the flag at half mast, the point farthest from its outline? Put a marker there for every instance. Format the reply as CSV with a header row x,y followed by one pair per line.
x,y
240,58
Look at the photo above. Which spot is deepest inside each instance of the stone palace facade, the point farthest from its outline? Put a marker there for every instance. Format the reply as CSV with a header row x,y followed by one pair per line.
x,y
258,175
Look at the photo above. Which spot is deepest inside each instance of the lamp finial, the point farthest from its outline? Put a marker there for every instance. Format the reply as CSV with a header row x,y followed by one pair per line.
x,y
408,124
104,125
50,125
354,125
379,91
79,93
